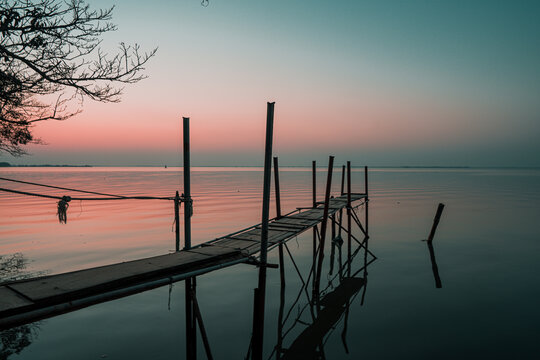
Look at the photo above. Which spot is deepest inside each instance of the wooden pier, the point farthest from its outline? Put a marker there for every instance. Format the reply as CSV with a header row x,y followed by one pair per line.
x,y
32,299
28,300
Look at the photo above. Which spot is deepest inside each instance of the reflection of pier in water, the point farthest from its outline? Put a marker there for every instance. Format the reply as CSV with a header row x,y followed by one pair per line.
x,y
325,309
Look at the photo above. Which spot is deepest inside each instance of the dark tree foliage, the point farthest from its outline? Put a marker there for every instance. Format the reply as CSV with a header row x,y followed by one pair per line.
x,y
50,60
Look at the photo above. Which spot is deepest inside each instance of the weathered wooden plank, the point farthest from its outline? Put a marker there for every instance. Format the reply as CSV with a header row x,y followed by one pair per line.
x,y
295,221
337,204
255,235
282,227
210,250
85,280
237,243
312,214
9,299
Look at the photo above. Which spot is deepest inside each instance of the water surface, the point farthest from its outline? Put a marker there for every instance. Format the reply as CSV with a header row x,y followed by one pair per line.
x,y
487,251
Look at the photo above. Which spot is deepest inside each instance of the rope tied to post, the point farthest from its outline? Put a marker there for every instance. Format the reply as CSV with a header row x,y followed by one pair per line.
x,y
63,205
188,204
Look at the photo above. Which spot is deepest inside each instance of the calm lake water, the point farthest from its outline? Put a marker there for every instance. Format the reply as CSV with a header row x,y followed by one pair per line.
x,y
487,249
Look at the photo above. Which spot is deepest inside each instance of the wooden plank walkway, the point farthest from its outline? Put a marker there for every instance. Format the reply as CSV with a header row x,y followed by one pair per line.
x,y
31,299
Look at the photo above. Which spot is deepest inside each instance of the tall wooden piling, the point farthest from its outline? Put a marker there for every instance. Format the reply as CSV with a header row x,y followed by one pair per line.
x,y
367,199
260,293
187,187
349,217
324,224
314,193
177,220
276,184
190,330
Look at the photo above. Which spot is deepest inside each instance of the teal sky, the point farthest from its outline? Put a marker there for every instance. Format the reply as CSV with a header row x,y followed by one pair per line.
x,y
377,82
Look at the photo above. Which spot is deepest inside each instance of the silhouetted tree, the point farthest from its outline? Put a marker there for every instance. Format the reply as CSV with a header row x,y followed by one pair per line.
x,y
50,57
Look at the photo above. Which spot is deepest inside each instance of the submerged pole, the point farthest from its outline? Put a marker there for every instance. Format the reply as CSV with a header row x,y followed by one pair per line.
x,y
260,293
177,220
187,187
276,184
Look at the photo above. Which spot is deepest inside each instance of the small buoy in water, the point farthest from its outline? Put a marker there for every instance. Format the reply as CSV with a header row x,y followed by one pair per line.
x,y
165,166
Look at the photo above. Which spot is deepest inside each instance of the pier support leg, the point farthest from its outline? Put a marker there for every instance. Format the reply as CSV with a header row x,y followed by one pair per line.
x,y
276,184
323,227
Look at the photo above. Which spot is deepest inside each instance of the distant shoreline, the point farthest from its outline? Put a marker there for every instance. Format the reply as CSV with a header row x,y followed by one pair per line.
x,y
405,167
5,164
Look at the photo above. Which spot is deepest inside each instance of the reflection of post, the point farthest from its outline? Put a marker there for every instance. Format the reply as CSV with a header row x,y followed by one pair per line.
x,y
190,331
324,225
260,292
438,283
281,303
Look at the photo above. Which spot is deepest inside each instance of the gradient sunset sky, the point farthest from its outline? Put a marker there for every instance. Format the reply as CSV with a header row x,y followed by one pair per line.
x,y
443,83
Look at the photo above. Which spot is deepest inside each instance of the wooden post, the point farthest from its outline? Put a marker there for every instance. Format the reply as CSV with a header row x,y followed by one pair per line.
x,y
349,218
367,198
343,180
258,326
177,219
324,224
187,188
440,209
276,183
314,183
190,331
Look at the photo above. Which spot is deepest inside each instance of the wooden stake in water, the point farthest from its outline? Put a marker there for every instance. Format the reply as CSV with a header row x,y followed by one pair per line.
x,y
440,209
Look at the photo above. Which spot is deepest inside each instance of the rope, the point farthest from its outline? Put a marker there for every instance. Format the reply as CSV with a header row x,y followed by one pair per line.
x,y
58,187
82,191
89,198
